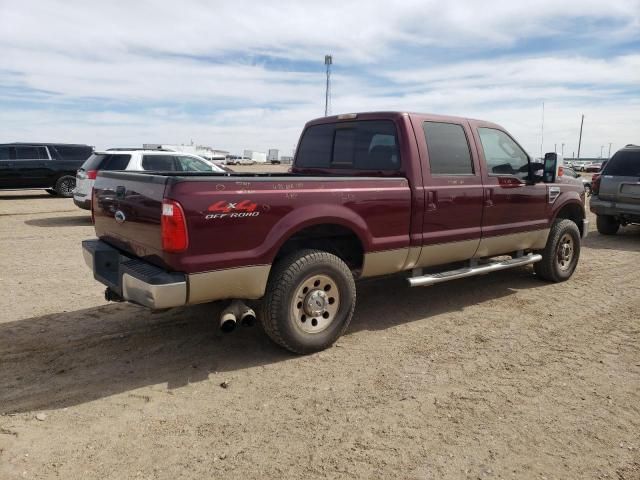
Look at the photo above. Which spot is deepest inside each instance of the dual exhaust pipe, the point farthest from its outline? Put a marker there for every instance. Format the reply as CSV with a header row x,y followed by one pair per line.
x,y
237,313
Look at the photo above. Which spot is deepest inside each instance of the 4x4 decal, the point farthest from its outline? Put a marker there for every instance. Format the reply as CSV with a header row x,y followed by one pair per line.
x,y
223,209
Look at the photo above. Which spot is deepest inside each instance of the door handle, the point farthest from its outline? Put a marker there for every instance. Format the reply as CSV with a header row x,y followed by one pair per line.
x,y
432,201
488,202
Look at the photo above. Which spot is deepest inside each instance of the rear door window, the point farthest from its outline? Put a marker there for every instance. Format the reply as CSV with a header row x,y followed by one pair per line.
x,y
115,162
448,149
73,152
25,152
191,164
162,163
363,145
624,163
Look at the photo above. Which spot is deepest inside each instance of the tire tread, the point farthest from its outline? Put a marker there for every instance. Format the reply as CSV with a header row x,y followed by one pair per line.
x,y
545,268
281,278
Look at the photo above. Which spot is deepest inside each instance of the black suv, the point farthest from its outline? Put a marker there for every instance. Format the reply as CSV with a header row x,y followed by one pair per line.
x,y
616,191
51,166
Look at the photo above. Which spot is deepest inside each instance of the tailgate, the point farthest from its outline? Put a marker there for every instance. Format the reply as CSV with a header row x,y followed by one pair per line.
x,y
620,189
127,210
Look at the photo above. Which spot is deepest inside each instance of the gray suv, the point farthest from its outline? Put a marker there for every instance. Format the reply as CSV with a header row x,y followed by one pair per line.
x,y
616,191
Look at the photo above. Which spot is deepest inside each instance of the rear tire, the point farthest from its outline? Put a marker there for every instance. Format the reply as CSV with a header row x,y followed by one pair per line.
x,y
65,186
51,191
607,224
309,302
561,253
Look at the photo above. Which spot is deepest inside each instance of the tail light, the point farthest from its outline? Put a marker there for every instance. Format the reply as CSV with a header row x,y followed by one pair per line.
x,y
560,171
174,227
93,213
595,183
92,174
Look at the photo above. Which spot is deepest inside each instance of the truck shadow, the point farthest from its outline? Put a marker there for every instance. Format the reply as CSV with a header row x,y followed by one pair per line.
x,y
627,240
71,221
71,358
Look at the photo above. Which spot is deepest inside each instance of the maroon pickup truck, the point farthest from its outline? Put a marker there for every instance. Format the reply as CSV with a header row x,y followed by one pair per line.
x,y
369,194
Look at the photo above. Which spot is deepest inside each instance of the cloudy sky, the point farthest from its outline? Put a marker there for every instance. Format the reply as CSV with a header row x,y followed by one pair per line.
x,y
248,74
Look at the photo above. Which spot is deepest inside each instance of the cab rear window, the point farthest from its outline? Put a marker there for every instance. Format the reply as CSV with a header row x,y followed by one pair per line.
x,y
363,145
624,163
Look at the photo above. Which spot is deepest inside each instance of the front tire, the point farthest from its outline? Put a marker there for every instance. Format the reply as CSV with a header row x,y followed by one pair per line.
x,y
65,186
561,253
607,224
309,302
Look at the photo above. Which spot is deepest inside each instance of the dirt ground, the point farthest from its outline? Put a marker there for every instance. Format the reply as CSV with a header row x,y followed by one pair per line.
x,y
501,376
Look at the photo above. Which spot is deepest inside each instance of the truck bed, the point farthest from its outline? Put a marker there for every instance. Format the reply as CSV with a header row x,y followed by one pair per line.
x,y
236,220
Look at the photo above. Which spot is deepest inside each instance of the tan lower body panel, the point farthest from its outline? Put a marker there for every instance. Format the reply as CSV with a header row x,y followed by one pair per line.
x,y
242,282
442,253
385,262
393,261
491,246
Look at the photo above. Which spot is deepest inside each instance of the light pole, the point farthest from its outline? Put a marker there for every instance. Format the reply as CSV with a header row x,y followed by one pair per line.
x,y
580,138
601,149
562,150
609,156
328,60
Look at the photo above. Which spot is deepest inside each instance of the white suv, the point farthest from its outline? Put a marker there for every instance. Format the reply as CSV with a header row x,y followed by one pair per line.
x,y
134,160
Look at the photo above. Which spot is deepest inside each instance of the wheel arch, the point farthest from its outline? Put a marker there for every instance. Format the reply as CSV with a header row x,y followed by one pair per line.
x,y
572,210
328,235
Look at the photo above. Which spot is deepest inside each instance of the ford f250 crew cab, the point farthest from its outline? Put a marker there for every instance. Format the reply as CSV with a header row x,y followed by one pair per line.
x,y
370,194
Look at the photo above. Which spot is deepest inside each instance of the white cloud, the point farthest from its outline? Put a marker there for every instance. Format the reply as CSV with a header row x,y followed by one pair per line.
x,y
143,67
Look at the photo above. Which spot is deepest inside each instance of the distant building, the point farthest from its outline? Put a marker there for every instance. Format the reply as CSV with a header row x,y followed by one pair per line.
x,y
258,157
203,151
272,156
286,159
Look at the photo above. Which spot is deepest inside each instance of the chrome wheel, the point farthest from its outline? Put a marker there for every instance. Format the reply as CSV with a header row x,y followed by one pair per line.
x,y
315,304
66,185
564,253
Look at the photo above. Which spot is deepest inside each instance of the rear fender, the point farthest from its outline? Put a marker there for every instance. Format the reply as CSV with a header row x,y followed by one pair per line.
x,y
315,215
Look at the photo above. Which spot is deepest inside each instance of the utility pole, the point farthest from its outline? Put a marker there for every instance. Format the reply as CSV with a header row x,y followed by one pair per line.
x,y
580,138
542,133
328,60
562,150
609,156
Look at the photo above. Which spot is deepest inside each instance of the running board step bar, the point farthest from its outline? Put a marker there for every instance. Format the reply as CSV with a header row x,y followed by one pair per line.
x,y
426,280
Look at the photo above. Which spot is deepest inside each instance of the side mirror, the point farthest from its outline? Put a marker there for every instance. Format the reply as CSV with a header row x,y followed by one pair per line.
x,y
553,167
536,168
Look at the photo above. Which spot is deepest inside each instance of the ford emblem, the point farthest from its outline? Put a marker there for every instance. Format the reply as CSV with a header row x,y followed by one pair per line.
x,y
119,216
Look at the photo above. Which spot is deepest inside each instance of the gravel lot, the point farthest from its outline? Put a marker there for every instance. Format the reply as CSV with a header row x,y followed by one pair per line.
x,y
501,376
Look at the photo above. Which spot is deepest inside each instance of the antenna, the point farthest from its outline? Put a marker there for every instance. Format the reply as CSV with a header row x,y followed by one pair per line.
x,y
328,60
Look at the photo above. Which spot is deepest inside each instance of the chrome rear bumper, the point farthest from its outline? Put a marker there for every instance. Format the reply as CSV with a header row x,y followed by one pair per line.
x,y
134,280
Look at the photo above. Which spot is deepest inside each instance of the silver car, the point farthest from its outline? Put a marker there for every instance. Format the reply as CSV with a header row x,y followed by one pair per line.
x,y
616,191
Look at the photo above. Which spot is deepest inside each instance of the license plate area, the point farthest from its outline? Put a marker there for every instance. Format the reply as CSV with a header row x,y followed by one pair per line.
x,y
631,189
107,268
